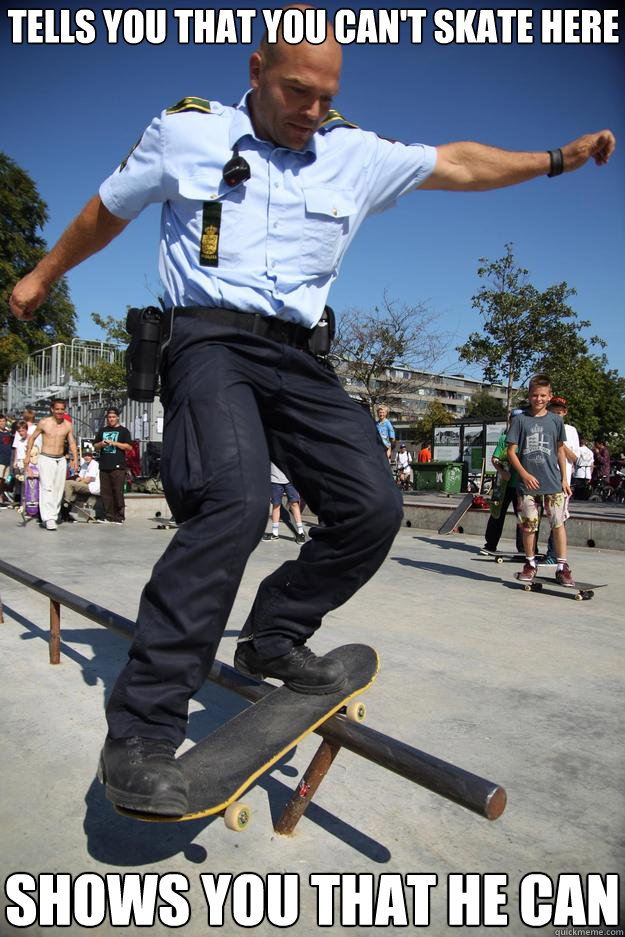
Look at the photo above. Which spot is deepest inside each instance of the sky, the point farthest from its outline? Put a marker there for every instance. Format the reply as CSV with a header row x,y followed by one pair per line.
x,y
70,112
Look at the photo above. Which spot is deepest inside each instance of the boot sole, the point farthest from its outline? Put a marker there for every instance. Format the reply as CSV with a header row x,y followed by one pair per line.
x,y
142,803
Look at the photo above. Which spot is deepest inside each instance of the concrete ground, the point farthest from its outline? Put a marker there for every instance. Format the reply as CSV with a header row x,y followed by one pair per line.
x,y
524,689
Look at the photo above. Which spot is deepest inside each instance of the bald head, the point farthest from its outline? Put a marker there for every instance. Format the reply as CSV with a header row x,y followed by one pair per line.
x,y
293,86
271,51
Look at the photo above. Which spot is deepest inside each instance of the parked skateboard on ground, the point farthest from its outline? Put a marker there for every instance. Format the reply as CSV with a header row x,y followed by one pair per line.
x,y
224,765
163,523
504,556
456,515
85,513
580,591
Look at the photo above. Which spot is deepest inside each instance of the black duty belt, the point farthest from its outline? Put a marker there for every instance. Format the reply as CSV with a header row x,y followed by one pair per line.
x,y
287,333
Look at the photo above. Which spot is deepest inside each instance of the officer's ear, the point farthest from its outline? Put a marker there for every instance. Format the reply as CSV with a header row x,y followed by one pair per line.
x,y
256,63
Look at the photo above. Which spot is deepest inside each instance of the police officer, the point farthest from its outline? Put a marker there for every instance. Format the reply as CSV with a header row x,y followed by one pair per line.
x,y
260,202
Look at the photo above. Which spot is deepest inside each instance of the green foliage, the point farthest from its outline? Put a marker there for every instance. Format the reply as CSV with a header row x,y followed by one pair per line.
x,y
435,415
522,325
395,336
108,376
22,214
483,406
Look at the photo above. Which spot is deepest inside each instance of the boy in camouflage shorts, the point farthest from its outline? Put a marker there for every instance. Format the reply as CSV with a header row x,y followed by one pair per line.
x,y
536,450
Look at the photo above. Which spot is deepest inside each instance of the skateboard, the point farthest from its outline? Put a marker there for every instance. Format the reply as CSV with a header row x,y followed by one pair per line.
x,y
505,556
224,765
456,515
87,515
163,523
580,591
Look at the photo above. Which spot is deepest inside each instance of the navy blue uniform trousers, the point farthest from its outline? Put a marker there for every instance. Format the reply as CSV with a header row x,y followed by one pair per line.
x,y
233,400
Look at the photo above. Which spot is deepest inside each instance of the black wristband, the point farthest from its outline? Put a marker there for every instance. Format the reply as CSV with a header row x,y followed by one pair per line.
x,y
556,162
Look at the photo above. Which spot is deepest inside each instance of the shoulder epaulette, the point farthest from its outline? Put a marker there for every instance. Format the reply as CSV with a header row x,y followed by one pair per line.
x,y
190,104
334,119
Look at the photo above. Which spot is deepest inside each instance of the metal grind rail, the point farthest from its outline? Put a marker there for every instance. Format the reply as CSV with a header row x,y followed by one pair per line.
x,y
447,780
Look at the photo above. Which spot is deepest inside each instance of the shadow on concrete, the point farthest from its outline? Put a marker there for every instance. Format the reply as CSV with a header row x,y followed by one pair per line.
x,y
448,544
120,841
444,570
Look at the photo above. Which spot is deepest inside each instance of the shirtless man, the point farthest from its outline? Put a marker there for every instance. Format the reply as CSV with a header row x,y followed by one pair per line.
x,y
52,465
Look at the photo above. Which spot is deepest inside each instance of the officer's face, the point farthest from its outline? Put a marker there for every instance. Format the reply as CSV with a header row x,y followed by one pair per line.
x,y
293,91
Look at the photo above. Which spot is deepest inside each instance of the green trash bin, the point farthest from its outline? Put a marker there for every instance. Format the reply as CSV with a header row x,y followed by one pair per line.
x,y
452,478
437,476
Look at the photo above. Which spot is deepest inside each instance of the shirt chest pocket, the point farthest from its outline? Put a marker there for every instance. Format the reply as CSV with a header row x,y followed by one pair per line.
x,y
326,227
212,213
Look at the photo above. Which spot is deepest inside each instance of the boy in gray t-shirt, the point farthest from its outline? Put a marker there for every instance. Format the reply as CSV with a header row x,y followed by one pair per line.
x,y
535,449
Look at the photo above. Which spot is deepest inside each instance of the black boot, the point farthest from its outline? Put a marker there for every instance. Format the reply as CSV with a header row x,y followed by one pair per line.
x,y
300,669
142,774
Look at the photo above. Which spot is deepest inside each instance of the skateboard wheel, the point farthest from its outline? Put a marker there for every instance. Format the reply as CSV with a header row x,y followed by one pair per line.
x,y
237,817
499,559
579,596
356,711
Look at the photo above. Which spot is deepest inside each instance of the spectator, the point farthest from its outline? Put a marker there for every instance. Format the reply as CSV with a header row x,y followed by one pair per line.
x,y
86,483
582,471
425,454
6,446
385,429
404,461
113,442
281,486
602,461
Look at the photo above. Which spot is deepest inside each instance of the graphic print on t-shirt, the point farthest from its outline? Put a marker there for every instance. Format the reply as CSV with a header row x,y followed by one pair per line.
x,y
536,443
113,436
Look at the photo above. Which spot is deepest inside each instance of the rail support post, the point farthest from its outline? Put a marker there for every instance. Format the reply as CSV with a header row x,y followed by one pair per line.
x,y
302,796
55,632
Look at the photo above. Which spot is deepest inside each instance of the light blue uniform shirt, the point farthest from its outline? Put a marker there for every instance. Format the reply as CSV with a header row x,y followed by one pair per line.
x,y
284,231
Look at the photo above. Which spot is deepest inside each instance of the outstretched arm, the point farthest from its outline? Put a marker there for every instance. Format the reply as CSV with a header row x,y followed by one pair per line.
x,y
468,166
88,233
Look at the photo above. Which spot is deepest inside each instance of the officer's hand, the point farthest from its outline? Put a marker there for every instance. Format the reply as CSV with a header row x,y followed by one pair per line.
x,y
28,295
599,146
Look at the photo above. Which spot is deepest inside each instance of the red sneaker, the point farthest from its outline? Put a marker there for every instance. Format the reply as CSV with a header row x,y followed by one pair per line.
x,y
564,576
527,573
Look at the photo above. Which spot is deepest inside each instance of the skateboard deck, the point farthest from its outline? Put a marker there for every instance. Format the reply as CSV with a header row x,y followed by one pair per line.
x,y
86,514
163,523
504,556
456,515
226,763
580,591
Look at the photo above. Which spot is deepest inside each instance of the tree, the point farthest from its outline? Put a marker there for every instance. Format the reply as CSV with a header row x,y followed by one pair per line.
x,y
435,415
22,214
522,325
108,376
394,337
483,406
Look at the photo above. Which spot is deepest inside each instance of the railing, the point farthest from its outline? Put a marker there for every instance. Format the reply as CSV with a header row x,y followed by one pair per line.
x,y
447,780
